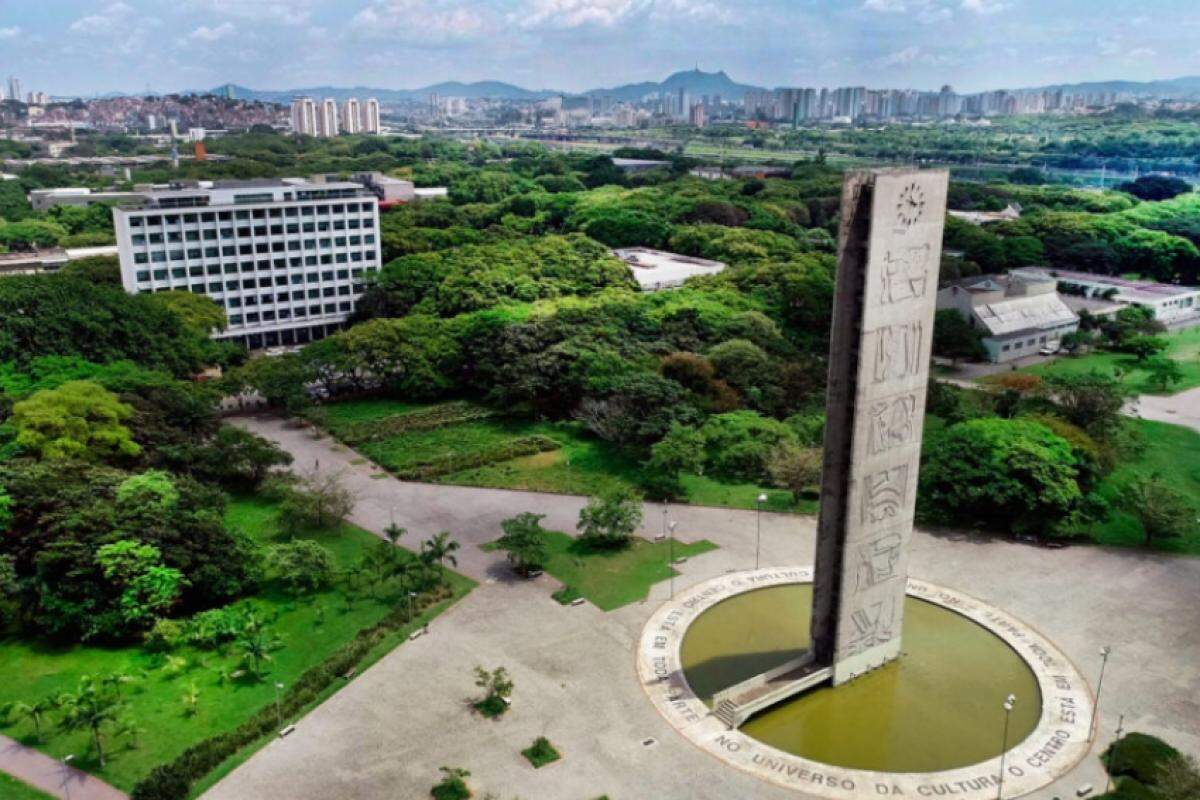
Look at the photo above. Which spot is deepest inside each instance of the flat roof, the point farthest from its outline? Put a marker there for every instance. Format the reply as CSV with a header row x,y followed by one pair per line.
x,y
1150,289
657,269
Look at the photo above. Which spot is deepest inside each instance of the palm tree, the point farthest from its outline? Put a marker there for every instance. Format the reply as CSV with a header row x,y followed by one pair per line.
x,y
32,711
393,532
115,680
191,699
440,548
256,642
90,707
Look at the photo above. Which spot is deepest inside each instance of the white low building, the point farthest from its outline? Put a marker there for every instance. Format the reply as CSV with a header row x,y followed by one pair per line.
x,y
1017,316
1168,302
657,269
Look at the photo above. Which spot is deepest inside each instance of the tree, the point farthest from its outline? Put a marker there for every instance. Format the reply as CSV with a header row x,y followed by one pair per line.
x,y
609,520
795,468
256,641
1162,511
1178,779
954,337
198,312
1091,400
153,488
240,459
1155,187
440,548
1007,474
9,586
1162,372
317,502
524,540
34,712
79,419
147,589
1143,347
89,708
301,565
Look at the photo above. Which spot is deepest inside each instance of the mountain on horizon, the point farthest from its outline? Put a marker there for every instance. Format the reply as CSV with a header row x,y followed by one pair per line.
x,y
695,81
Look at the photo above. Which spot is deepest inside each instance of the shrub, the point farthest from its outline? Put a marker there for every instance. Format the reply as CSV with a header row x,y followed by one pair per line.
x,y
610,519
452,787
1139,756
541,753
456,462
166,635
740,442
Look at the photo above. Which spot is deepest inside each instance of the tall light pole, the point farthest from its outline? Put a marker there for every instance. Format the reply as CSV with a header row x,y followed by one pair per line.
x,y
278,710
671,556
758,501
1112,752
1009,702
411,596
1104,651
66,761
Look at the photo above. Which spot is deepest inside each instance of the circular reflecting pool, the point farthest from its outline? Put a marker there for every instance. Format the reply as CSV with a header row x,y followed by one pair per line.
x,y
938,707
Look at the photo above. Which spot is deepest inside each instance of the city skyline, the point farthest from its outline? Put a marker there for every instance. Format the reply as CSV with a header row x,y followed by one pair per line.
x,y
975,45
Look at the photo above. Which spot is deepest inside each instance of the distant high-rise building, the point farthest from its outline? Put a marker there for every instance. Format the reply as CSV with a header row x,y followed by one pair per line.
x,y
14,88
351,117
230,93
696,116
370,116
304,116
327,118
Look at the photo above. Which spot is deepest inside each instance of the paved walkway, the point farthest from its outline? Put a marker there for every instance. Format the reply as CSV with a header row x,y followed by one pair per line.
x,y
386,733
50,776
1178,409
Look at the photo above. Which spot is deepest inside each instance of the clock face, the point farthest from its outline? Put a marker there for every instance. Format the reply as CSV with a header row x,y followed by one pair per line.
x,y
911,205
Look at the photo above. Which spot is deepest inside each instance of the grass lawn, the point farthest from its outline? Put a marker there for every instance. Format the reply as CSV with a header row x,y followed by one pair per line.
x,y
1184,348
583,464
1171,451
311,628
610,579
13,789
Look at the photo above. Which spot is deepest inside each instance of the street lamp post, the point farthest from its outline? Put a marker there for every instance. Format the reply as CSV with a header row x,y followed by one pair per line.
x,y
1009,702
278,709
671,556
1104,652
758,501
66,760
411,597
1112,752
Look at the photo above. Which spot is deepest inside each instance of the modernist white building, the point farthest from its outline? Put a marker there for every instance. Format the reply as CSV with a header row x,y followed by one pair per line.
x,y
351,118
285,258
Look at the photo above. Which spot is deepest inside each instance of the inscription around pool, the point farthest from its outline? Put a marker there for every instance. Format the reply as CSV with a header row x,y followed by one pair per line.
x,y
1055,746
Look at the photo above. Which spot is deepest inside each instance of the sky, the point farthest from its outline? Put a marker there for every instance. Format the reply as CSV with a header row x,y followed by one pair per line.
x,y
71,47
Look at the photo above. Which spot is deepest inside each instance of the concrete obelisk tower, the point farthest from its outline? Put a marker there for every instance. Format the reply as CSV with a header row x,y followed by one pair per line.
x,y
890,248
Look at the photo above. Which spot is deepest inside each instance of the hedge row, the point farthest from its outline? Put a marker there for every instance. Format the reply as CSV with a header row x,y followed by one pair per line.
x,y
173,780
455,462
438,416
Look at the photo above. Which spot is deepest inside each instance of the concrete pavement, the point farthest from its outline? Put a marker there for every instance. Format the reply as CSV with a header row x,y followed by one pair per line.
x,y
387,732
51,776
1178,409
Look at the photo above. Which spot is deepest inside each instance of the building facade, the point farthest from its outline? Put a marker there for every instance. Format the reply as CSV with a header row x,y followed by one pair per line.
x,y
351,119
1016,316
327,118
286,259
304,116
370,116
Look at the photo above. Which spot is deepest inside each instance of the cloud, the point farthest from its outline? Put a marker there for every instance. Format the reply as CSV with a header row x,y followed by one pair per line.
x,y
577,13
984,7
10,33
914,55
107,21
295,12
1141,52
886,6
421,22
207,34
